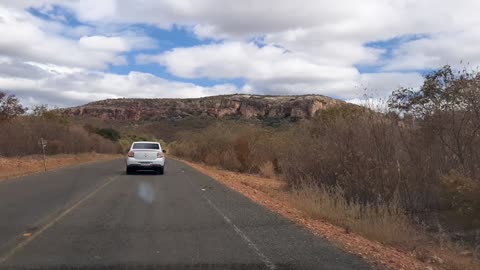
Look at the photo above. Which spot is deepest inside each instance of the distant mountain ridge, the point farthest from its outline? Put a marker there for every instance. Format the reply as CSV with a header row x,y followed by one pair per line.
x,y
238,105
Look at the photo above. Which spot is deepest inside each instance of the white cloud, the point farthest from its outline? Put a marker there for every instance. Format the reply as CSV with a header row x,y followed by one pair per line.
x,y
31,39
437,50
325,48
274,70
115,44
307,46
246,60
351,19
64,86
374,88
92,10
382,84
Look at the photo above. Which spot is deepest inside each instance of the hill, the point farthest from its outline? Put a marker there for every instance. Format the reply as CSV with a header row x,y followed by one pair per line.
x,y
226,106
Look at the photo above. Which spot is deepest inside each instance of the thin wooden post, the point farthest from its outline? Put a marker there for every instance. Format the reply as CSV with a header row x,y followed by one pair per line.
x,y
43,145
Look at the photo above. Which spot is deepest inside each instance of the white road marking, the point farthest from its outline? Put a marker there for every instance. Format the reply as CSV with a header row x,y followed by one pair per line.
x,y
268,263
34,235
245,238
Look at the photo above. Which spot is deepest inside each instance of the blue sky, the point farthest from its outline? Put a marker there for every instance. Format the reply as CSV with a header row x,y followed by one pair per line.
x,y
389,46
72,52
165,39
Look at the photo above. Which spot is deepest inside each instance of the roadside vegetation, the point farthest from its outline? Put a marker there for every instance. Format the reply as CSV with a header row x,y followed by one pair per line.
x,y
68,143
20,132
408,176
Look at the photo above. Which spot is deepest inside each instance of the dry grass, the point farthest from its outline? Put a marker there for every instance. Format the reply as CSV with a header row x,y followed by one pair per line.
x,y
267,169
384,223
17,166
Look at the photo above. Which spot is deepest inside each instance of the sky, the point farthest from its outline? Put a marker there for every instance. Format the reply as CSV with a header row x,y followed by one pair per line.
x,y
66,53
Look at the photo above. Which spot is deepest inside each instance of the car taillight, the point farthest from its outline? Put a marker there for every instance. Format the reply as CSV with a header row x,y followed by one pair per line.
x,y
131,154
160,155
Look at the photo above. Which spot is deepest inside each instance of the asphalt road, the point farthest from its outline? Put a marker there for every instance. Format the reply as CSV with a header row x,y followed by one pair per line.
x,y
93,216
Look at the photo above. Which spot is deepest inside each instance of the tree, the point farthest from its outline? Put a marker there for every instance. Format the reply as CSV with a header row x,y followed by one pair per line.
x,y
443,90
448,103
40,110
10,107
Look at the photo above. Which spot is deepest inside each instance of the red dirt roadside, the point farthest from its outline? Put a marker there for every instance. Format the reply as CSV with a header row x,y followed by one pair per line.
x,y
12,167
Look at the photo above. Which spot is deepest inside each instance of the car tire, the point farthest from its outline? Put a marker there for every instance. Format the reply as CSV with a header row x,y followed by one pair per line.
x,y
128,171
161,170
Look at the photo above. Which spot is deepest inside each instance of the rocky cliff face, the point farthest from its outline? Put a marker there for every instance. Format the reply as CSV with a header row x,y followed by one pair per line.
x,y
243,106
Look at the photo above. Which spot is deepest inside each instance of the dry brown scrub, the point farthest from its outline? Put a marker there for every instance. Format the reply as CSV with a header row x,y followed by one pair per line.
x,y
408,174
20,136
67,143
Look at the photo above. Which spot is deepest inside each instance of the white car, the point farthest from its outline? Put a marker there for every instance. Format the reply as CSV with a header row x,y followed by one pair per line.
x,y
145,156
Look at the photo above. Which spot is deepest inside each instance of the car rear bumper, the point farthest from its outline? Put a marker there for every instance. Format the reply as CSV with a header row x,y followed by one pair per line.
x,y
144,167
133,162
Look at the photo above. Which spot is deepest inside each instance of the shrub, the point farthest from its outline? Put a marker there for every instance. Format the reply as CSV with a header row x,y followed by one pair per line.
x,y
20,136
462,195
108,133
238,147
349,147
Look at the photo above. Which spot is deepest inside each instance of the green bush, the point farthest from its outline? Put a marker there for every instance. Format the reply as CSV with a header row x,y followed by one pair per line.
x,y
108,133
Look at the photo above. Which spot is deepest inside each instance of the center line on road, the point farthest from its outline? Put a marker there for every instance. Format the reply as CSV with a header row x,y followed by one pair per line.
x,y
34,235
268,263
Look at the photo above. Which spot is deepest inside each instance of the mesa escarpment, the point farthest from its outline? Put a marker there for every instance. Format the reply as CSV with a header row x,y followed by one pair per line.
x,y
242,106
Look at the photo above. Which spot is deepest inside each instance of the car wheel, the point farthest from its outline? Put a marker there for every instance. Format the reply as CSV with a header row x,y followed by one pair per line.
x,y
160,170
128,171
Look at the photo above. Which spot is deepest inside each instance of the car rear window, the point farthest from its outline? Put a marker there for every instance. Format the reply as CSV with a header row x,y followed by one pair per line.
x,y
146,146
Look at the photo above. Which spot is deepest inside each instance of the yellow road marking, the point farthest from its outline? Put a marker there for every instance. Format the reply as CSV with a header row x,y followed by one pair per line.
x,y
34,235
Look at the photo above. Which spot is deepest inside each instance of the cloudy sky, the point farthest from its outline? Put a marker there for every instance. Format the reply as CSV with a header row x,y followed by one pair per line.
x,y
71,52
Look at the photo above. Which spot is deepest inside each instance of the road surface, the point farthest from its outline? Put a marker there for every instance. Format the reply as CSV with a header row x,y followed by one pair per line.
x,y
93,216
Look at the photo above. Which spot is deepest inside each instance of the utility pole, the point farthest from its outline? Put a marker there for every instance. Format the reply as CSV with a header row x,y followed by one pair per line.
x,y
43,144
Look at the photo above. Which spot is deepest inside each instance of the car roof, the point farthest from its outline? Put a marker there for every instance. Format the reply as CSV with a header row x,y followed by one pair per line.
x,y
145,142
